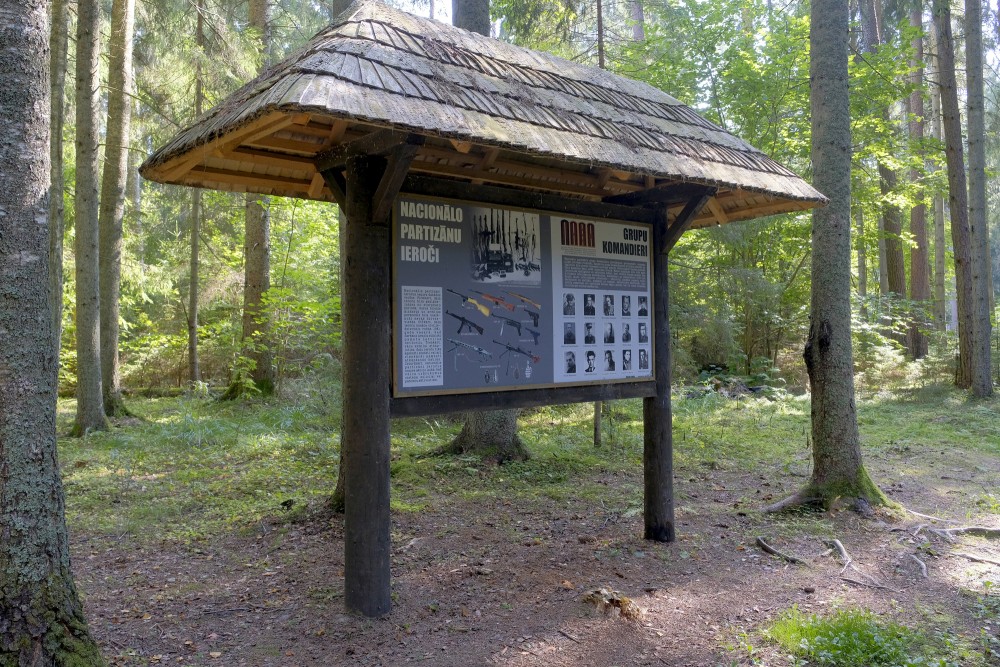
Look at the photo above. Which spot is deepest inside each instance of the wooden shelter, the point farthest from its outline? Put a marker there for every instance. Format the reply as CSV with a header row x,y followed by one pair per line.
x,y
383,102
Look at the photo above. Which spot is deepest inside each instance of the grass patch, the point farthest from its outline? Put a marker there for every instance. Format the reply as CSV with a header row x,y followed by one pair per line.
x,y
852,638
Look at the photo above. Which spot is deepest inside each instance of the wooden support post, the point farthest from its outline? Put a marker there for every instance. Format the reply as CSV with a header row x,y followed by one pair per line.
x,y
658,439
367,340
658,452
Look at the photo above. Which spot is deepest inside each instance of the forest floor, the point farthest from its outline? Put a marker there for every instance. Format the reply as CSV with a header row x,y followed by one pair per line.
x,y
185,554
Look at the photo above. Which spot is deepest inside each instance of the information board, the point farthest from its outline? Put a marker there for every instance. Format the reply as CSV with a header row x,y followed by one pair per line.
x,y
491,298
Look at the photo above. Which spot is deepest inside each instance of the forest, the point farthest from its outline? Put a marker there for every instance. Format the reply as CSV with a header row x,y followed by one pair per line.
x,y
194,463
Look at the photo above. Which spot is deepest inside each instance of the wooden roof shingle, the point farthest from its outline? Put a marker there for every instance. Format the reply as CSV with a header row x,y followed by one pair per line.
x,y
375,67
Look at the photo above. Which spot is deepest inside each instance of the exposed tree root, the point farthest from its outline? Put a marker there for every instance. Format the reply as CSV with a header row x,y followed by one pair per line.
x,y
976,559
767,548
977,531
922,564
844,556
880,587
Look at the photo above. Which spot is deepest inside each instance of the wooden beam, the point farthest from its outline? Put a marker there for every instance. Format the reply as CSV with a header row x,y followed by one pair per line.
x,y
269,158
461,146
201,175
379,142
316,186
235,139
504,179
392,178
662,195
657,448
716,208
683,221
367,345
422,406
254,126
500,196
338,185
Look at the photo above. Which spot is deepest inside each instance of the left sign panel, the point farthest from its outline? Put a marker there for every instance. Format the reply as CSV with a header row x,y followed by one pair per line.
x,y
471,311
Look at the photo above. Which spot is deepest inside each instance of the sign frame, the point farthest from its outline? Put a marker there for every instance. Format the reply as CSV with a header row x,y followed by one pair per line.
x,y
556,387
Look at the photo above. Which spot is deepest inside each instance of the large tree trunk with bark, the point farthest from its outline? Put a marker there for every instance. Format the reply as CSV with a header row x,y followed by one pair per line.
x,y
194,365
257,265
838,471
57,67
961,238
41,618
940,296
256,324
90,414
920,283
982,288
112,209
489,434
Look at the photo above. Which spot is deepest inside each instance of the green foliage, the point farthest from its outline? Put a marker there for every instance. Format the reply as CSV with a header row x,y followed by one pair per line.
x,y
850,638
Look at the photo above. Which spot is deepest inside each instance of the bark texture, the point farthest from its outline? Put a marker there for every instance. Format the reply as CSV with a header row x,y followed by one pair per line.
x,y
89,388
940,303
838,471
41,619
112,209
257,264
982,383
920,282
961,238
59,40
492,435
194,366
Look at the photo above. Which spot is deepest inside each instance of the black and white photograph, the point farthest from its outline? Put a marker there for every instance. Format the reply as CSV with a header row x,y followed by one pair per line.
x,y
626,333
506,247
626,360
609,305
643,307
609,360
643,333
643,360
609,333
569,333
626,305
588,305
591,361
570,363
569,304
588,334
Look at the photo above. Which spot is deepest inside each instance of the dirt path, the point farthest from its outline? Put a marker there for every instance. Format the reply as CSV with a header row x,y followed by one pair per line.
x,y
503,584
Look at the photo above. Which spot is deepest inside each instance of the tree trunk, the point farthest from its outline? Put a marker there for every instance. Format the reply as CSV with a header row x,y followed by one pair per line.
x,y
57,67
838,471
638,21
41,618
489,434
957,194
112,209
194,365
920,284
600,34
257,264
940,296
862,250
256,320
982,382
89,393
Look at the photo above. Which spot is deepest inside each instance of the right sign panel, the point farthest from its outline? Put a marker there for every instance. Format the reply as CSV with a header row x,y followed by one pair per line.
x,y
601,286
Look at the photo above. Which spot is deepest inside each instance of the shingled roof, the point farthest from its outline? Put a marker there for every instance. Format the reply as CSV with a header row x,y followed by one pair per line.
x,y
491,113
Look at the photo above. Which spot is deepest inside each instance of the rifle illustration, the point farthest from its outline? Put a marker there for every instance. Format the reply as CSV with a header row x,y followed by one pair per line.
x,y
534,334
525,300
472,302
465,322
484,354
516,350
497,301
506,320
533,315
